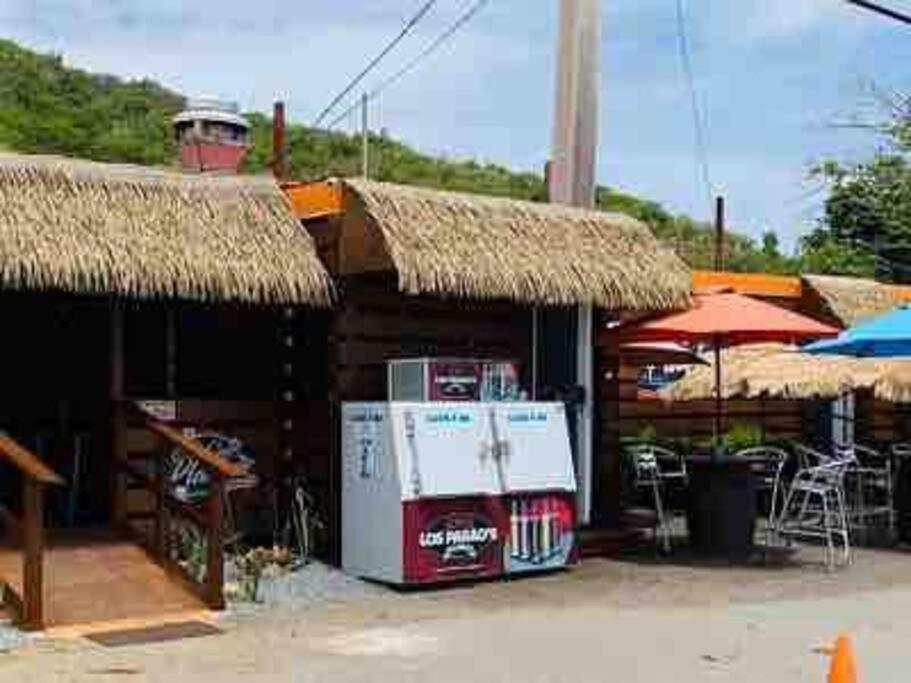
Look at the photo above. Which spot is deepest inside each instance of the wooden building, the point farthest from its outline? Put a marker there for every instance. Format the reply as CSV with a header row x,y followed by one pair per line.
x,y
427,273
141,303
200,296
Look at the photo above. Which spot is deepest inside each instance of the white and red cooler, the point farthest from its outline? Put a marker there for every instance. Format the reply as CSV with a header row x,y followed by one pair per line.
x,y
434,492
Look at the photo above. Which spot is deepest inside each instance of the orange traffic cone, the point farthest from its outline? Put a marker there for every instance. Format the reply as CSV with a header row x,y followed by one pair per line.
x,y
843,669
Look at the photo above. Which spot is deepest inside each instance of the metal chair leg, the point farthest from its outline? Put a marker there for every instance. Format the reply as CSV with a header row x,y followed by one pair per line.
x,y
845,529
662,521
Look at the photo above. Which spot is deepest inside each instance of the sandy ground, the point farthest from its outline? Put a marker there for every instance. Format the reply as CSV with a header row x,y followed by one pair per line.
x,y
632,620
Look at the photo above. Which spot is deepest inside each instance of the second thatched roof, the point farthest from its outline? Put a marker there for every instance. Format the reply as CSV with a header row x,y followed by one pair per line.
x,y
455,244
90,228
847,301
781,371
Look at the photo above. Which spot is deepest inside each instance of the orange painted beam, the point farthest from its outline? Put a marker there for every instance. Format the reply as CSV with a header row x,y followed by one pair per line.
x,y
756,284
901,292
315,200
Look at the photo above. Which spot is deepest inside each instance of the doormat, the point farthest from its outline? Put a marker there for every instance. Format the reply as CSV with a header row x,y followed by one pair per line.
x,y
154,634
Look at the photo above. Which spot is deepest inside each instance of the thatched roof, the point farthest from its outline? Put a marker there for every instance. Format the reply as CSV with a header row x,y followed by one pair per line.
x,y
486,247
781,371
849,300
84,227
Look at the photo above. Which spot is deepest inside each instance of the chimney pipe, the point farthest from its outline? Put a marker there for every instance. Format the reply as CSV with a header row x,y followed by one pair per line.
x,y
278,140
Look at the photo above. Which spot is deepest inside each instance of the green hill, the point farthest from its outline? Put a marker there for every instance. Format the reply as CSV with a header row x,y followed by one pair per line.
x,y
49,108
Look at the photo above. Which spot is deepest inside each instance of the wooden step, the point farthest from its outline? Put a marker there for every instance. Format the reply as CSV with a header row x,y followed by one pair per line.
x,y
100,577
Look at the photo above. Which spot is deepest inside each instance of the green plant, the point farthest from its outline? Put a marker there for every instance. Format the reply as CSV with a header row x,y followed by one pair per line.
x,y
647,433
742,435
190,550
250,566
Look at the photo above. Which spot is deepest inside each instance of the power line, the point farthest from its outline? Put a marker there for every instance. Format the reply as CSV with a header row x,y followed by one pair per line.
x,y
431,47
683,43
880,9
409,25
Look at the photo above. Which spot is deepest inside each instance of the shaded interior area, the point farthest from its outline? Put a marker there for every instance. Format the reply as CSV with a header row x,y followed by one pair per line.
x,y
253,376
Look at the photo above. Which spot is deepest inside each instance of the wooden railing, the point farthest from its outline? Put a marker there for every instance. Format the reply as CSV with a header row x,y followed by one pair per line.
x,y
208,516
29,529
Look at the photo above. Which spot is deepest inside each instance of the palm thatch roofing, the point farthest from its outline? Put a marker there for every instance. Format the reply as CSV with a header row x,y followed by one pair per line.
x,y
849,300
782,371
90,228
453,244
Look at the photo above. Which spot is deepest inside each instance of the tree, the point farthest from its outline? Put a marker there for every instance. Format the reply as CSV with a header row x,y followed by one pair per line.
x,y
823,254
867,220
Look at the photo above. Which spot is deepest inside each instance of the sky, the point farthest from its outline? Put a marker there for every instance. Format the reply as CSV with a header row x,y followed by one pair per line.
x,y
773,78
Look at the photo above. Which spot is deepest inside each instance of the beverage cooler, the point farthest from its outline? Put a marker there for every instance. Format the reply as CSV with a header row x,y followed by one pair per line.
x,y
436,492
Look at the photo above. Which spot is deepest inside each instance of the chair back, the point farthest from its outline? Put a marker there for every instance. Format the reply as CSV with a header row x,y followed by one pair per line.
x,y
833,473
871,457
671,465
645,463
773,456
808,457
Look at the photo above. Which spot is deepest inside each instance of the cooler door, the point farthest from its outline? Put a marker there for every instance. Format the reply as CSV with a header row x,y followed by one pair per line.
x,y
443,449
535,448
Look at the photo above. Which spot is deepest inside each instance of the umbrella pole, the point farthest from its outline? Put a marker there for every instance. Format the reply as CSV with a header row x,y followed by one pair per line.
x,y
717,429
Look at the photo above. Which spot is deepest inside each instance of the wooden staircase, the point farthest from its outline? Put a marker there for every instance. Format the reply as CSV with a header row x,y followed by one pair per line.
x,y
58,579
99,577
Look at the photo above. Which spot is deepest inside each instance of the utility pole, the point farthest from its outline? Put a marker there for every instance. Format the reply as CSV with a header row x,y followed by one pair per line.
x,y
571,180
575,137
719,234
365,137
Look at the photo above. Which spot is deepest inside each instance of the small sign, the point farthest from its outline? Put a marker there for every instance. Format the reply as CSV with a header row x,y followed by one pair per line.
x,y
455,381
165,411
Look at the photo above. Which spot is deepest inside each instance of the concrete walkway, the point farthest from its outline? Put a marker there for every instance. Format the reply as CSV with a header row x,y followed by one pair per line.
x,y
623,621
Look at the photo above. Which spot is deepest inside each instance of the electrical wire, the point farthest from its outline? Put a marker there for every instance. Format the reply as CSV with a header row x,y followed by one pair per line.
x,y
409,66
880,9
409,26
686,61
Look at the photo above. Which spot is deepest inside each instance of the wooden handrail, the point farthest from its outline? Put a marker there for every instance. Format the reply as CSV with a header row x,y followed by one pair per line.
x,y
29,463
29,605
208,516
205,455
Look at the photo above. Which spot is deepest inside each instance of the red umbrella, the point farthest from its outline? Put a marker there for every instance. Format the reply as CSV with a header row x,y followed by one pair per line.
x,y
731,319
659,353
726,319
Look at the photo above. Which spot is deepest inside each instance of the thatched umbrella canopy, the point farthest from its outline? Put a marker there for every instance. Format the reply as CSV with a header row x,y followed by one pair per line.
x,y
781,371
90,228
472,246
847,301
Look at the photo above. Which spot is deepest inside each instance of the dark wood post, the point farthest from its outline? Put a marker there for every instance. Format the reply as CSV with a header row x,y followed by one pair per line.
x,y
33,554
215,545
607,493
161,543
118,418
719,402
278,140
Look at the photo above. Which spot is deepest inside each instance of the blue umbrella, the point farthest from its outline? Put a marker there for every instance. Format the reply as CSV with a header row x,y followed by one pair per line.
x,y
885,335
